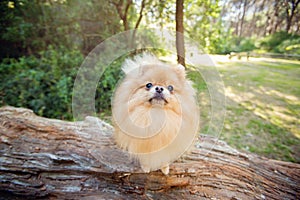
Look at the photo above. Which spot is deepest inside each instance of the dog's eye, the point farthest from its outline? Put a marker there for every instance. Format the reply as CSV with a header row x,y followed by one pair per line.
x,y
149,85
170,88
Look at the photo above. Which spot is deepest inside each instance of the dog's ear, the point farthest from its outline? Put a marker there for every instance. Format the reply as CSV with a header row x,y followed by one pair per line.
x,y
137,71
129,65
181,67
138,62
180,70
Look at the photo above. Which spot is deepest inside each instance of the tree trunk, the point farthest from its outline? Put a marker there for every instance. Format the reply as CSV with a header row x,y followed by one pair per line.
x,y
122,10
50,158
179,33
291,8
245,4
133,38
123,14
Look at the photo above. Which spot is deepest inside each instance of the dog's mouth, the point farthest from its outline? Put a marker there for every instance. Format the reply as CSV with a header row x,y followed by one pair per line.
x,y
158,98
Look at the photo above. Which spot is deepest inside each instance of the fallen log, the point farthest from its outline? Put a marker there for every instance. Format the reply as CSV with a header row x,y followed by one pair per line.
x,y
51,159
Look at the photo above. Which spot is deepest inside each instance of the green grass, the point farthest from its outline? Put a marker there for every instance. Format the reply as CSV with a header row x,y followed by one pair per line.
x,y
263,107
199,83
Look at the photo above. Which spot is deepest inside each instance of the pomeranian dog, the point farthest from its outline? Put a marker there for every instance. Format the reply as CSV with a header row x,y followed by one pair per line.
x,y
155,114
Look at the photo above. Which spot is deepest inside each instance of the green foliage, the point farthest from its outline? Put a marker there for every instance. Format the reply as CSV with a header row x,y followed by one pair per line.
x,y
291,46
107,85
42,84
45,83
271,42
281,42
198,82
247,44
30,26
236,44
199,27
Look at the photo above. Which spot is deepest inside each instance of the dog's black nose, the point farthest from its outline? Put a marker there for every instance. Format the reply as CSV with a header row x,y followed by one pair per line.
x,y
159,89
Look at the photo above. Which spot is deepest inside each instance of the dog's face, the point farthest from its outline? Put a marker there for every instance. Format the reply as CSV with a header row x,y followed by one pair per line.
x,y
157,86
158,93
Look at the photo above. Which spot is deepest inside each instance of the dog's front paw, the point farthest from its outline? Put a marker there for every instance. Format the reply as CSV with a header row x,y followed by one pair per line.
x,y
165,169
145,169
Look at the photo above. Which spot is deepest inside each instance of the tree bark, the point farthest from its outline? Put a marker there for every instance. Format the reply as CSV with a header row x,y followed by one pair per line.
x,y
123,14
123,11
49,158
245,4
179,33
133,38
291,8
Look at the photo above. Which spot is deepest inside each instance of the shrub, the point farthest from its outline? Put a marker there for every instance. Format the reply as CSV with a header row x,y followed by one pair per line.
x,y
42,84
236,44
290,46
45,83
247,44
107,85
279,42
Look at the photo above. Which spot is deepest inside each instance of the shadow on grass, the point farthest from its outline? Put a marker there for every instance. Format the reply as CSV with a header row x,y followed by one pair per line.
x,y
263,107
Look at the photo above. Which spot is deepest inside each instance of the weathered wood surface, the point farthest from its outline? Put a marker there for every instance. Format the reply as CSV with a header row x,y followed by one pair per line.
x,y
51,159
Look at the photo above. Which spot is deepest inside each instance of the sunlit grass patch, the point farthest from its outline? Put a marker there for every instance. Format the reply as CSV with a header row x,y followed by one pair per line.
x,y
260,126
279,64
203,98
263,111
198,82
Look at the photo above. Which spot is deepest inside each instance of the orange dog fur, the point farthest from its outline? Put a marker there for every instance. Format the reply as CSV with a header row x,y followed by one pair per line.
x,y
155,114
